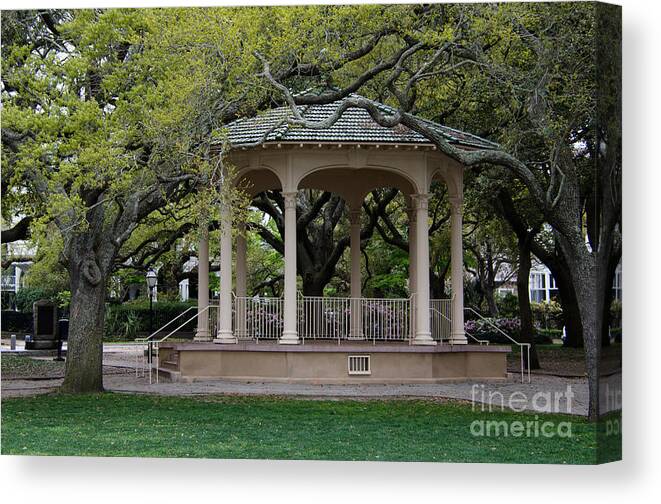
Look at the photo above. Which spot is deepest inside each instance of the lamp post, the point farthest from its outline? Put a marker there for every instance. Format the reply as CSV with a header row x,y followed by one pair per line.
x,y
151,283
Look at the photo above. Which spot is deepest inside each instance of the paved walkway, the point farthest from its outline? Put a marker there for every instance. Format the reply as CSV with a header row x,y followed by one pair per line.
x,y
485,395
545,393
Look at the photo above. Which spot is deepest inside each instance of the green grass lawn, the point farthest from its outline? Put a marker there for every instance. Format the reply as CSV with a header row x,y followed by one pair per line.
x,y
233,427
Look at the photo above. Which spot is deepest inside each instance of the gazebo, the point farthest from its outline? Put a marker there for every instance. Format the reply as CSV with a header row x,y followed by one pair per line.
x,y
335,339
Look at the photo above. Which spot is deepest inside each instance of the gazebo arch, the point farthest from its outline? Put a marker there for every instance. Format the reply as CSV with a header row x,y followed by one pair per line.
x,y
256,180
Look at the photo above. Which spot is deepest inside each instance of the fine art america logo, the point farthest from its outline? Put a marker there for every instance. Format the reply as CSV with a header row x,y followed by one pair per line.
x,y
518,401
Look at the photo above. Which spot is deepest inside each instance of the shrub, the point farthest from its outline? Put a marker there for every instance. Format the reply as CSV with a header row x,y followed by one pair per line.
x,y
16,321
548,315
616,334
508,305
484,329
546,336
27,296
126,321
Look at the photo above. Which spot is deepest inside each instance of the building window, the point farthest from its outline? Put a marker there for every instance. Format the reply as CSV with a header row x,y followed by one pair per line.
x,y
537,287
543,287
617,285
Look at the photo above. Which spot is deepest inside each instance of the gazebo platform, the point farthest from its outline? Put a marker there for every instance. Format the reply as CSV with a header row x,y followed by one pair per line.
x,y
329,362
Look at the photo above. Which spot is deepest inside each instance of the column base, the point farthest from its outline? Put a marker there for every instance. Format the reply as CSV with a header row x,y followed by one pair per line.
x,y
225,338
289,338
202,336
458,338
356,334
424,339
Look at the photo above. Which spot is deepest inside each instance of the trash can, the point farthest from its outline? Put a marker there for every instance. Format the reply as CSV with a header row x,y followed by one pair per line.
x,y
63,329
62,335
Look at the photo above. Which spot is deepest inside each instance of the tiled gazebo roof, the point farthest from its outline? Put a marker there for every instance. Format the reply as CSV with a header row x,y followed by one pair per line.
x,y
354,126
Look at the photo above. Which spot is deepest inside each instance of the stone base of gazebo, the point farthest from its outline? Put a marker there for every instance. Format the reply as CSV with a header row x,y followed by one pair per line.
x,y
325,362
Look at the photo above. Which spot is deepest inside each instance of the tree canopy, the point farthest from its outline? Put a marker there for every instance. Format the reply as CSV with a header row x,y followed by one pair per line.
x,y
113,131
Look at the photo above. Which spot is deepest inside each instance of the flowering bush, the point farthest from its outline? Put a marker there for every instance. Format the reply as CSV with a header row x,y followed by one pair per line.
x,y
547,315
484,329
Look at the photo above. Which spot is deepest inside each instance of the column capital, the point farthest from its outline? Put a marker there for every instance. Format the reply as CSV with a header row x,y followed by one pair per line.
x,y
354,217
290,199
410,212
456,204
420,201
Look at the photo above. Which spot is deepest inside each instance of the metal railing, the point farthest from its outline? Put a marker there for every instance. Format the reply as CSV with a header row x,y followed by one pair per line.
x,y
8,283
440,312
257,318
152,343
325,318
522,346
387,319
436,313
344,318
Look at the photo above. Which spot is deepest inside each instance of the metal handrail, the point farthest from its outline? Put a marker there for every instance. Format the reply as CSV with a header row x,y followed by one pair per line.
x,y
206,308
522,345
146,339
478,340
154,344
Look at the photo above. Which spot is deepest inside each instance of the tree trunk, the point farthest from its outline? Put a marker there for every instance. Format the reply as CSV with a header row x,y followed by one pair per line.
x,y
312,286
606,318
608,300
525,312
570,311
437,284
490,295
84,371
590,304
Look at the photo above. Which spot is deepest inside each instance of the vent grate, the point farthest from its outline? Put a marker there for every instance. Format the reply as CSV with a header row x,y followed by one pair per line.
x,y
359,365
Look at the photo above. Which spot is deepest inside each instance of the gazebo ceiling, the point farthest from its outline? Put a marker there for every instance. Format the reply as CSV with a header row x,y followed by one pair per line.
x,y
354,126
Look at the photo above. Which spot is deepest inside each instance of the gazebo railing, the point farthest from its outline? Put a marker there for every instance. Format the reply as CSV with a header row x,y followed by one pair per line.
x,y
334,318
343,318
257,318
324,318
387,319
440,319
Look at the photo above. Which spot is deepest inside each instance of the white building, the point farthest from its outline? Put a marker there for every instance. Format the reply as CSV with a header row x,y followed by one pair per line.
x,y
542,287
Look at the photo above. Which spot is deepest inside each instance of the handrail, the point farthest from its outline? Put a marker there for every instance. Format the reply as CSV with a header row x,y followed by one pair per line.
x,y
153,344
146,339
522,345
479,341
206,308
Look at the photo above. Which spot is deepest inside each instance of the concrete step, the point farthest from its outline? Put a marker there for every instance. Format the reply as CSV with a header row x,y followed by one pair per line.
x,y
170,364
168,374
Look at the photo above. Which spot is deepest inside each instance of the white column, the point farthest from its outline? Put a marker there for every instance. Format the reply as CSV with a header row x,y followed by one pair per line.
x,y
457,334
290,333
356,309
422,326
225,334
412,250
18,272
202,333
241,280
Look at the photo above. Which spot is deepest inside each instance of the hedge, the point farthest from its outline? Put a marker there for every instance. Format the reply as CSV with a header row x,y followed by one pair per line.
x,y
483,329
27,296
546,336
126,321
16,321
